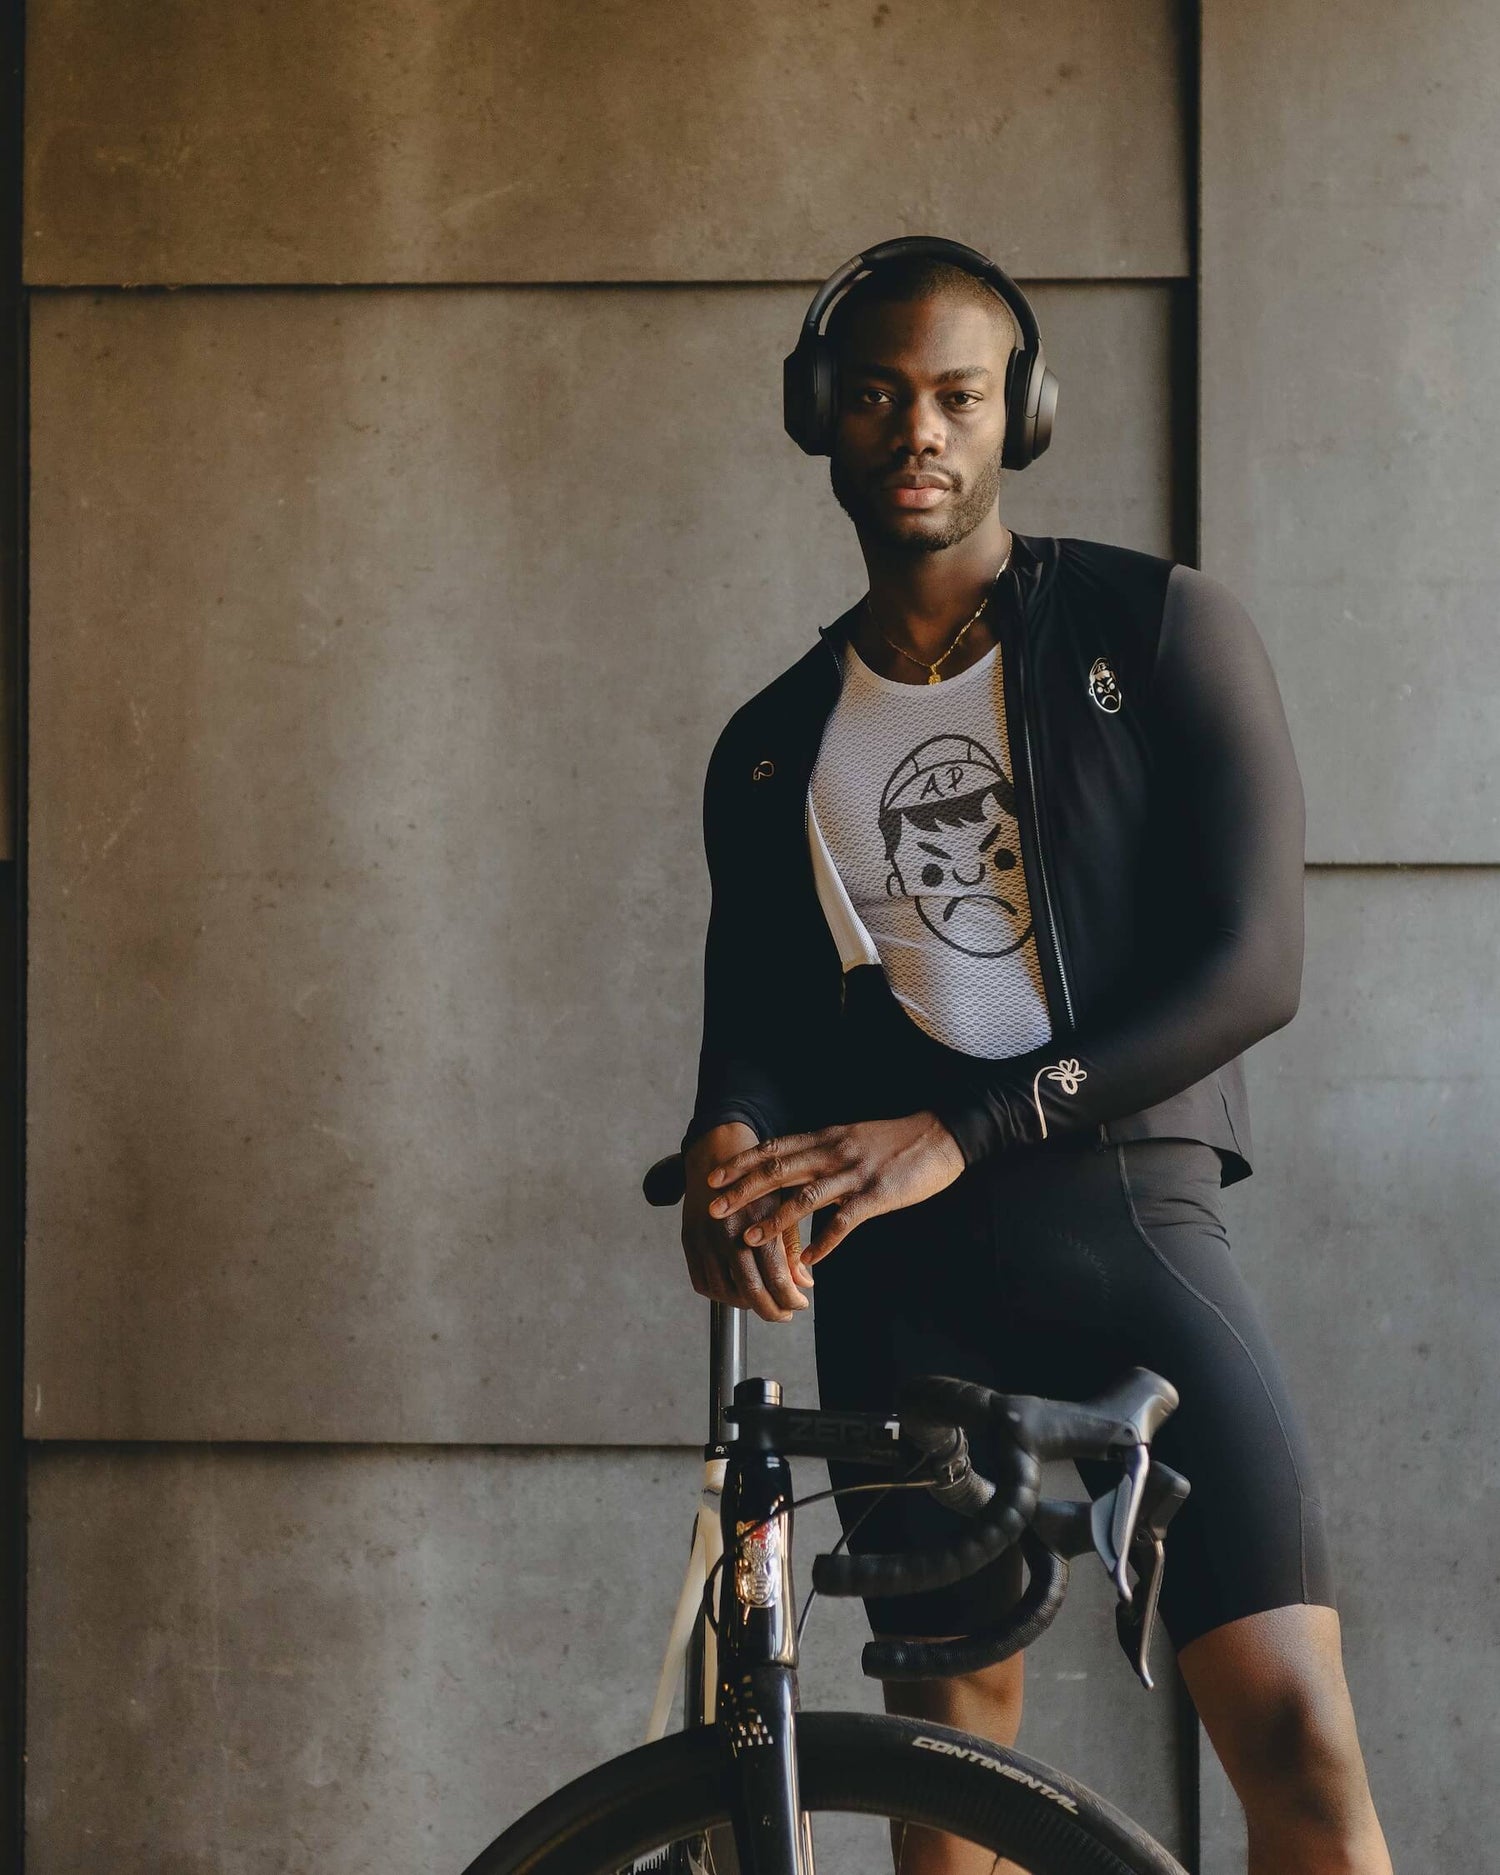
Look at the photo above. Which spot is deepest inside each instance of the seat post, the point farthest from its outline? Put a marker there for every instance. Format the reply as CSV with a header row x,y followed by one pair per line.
x,y
727,1358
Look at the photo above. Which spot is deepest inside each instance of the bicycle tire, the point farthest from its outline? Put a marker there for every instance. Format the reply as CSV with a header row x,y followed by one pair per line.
x,y
852,1762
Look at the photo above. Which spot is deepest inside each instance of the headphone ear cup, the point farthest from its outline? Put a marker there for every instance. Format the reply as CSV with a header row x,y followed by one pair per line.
x,y
825,393
1046,410
796,398
1016,452
1030,405
809,393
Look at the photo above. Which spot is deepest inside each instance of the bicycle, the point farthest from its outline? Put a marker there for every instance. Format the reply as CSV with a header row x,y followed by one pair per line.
x,y
738,1787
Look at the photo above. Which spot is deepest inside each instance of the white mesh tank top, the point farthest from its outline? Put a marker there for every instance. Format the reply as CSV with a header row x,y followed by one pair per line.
x,y
911,818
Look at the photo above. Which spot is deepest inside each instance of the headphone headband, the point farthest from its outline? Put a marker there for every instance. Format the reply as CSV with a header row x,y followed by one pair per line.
x,y
934,247
809,373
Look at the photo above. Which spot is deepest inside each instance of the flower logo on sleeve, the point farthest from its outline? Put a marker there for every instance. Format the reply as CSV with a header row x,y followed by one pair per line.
x,y
1067,1074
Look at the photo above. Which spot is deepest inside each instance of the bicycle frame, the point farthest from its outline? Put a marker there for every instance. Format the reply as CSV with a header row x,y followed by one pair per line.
x,y
744,1677
742,1669
756,1684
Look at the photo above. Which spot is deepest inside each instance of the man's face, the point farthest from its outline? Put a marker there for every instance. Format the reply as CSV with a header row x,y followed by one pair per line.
x,y
921,392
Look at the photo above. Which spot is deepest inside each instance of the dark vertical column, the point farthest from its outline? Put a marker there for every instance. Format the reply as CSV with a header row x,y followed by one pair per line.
x,y
12,951
1185,402
1186,406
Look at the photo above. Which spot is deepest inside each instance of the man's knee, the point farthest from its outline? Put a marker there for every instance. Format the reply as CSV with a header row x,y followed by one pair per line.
x,y
1271,1691
1302,1759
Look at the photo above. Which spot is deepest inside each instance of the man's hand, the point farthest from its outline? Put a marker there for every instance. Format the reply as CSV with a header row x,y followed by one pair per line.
x,y
768,1277
862,1169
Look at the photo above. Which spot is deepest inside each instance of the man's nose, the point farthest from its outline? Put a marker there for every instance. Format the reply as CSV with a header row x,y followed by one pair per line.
x,y
920,427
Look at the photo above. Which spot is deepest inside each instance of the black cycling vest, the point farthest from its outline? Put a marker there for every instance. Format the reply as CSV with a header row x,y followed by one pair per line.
x,y
1161,820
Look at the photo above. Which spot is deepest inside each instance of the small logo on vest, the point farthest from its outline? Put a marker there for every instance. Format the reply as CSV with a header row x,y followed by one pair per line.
x,y
1104,687
763,769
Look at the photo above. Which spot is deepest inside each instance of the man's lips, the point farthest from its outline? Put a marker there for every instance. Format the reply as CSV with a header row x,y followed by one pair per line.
x,y
915,491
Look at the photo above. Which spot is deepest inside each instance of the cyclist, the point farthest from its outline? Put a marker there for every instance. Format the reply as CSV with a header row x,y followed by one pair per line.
x,y
1007,872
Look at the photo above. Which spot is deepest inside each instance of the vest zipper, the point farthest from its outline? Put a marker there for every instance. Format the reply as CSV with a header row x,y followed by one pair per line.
x,y
1036,828
838,666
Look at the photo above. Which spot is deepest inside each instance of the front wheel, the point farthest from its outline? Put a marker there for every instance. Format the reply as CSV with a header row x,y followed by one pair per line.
x,y
632,1812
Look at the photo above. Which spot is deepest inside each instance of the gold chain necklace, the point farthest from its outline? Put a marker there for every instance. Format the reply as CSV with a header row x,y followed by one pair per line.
x,y
932,669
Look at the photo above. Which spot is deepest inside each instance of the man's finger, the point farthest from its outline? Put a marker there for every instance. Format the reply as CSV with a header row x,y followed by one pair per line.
x,y
846,1217
694,1258
727,1170
775,1273
807,1198
714,1283
792,1244
751,1292
776,1171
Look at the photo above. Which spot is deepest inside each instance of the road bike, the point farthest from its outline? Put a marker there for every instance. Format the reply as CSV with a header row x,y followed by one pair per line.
x,y
750,1782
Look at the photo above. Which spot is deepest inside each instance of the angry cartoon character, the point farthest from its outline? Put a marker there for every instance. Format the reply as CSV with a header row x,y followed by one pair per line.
x,y
947,818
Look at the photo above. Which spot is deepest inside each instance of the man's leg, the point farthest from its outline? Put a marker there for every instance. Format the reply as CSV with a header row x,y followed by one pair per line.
x,y
1270,1690
987,1702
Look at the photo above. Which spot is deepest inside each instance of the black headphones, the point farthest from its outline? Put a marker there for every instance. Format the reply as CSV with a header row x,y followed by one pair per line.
x,y
810,379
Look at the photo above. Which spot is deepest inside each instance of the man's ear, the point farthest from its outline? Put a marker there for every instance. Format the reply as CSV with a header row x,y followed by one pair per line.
x,y
893,884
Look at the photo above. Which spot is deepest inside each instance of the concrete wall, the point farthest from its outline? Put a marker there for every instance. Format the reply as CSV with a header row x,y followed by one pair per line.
x,y
375,830
379,633
1350,401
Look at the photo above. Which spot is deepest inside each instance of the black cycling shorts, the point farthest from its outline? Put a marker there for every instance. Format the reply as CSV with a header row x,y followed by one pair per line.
x,y
1050,1272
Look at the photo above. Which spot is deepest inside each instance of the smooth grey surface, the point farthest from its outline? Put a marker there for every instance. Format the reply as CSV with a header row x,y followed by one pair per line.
x,y
1369,1234
390,140
366,1662
1223,1836
378,645
1350,377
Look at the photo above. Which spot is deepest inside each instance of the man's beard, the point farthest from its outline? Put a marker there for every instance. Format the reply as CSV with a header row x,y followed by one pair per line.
x,y
967,507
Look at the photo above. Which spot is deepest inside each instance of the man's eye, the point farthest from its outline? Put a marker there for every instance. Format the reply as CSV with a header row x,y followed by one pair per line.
x,y
972,396
932,875
867,392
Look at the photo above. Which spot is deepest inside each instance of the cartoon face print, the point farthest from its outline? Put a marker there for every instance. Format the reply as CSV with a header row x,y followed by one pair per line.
x,y
947,817
1104,687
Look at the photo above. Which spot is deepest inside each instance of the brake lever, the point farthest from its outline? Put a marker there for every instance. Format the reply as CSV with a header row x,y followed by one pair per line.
x,y
1135,1622
1114,1518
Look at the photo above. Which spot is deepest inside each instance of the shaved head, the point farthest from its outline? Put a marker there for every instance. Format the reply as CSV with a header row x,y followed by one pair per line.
x,y
898,282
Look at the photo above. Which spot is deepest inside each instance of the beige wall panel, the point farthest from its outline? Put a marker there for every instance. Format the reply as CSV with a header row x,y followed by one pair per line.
x,y
323,1662
378,645
1369,1234
535,140
1351,399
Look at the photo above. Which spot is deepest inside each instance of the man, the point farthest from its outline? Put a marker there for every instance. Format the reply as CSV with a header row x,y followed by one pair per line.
x,y
1007,872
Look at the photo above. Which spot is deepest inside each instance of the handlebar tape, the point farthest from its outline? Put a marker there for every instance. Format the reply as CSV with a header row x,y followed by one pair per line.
x,y
1046,1585
666,1181
1028,1430
1125,1415
998,1524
